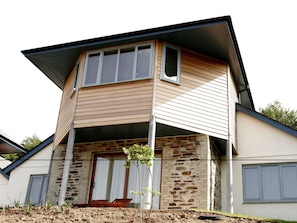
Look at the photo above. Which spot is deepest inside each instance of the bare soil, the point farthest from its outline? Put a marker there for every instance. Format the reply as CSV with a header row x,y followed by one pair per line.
x,y
112,215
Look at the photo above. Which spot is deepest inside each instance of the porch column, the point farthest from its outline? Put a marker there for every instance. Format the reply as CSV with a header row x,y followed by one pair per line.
x,y
67,163
151,143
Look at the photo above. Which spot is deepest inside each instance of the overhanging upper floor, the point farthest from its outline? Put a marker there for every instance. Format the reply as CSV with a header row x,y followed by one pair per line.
x,y
213,37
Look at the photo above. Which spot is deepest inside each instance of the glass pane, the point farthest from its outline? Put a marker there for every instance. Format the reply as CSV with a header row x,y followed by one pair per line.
x,y
133,184
35,189
157,182
109,67
101,179
270,183
251,183
143,62
118,180
92,69
126,64
289,179
171,64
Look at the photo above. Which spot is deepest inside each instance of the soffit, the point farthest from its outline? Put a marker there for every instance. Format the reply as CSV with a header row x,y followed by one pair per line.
x,y
212,37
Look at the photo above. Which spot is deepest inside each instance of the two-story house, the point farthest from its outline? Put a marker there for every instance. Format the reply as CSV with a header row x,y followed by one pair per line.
x,y
174,88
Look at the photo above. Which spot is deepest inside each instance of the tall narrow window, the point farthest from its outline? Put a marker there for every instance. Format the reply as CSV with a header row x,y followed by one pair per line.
x,y
143,67
92,69
75,77
109,66
171,64
126,64
36,189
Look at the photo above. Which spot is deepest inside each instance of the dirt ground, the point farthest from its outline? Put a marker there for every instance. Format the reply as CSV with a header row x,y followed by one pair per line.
x,y
111,215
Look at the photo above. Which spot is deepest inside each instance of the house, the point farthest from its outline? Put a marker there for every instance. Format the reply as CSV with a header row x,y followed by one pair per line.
x,y
25,180
181,89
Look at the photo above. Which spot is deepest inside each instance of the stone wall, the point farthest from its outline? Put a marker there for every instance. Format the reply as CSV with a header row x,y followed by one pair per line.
x,y
187,165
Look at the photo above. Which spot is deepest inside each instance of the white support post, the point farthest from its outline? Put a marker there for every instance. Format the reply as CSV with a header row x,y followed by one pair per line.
x,y
67,163
229,149
229,176
151,143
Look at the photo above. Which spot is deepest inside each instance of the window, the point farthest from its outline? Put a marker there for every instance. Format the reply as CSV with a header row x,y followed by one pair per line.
x,y
118,65
270,183
75,77
37,189
112,180
171,64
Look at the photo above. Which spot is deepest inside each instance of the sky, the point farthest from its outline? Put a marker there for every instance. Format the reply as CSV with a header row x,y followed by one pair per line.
x,y
265,31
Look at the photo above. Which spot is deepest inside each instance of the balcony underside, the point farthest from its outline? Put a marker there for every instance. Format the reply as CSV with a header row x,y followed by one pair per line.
x,y
131,131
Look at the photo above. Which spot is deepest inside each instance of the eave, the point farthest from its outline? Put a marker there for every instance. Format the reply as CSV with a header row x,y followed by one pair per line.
x,y
7,146
213,37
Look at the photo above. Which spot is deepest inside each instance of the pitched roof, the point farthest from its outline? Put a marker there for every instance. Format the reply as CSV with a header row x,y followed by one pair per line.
x,y
213,37
267,120
28,155
8,146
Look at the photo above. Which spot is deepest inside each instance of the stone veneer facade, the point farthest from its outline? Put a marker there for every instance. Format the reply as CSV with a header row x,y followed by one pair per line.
x,y
190,171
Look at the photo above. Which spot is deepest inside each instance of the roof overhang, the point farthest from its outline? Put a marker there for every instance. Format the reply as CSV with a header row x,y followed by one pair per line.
x,y
213,37
7,146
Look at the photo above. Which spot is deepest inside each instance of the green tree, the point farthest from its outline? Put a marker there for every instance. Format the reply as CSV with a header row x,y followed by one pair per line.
x,y
277,112
31,142
140,155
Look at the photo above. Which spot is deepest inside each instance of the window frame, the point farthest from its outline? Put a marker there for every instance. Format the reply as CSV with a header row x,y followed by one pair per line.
x,y
163,76
118,49
125,189
43,190
280,186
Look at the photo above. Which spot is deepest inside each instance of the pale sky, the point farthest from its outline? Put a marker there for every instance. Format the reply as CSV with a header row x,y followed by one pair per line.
x,y
265,31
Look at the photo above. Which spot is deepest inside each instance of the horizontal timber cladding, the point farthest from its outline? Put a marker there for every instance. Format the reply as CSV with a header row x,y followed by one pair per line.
x,y
67,109
113,104
200,102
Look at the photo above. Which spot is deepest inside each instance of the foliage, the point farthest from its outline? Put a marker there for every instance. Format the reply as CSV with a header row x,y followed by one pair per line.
x,y
11,157
278,113
139,154
31,142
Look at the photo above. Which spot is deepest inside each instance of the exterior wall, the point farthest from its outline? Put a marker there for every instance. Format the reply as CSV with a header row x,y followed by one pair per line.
x,y
119,103
68,103
3,190
186,171
20,176
259,143
199,103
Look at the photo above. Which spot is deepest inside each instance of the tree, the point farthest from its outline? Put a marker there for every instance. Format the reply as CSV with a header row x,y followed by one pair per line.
x,y
31,142
278,113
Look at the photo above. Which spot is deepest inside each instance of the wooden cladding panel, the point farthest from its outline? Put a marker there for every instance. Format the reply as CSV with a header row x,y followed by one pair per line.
x,y
112,104
200,102
67,108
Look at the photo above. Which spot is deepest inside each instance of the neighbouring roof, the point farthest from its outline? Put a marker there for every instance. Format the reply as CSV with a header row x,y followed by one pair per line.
x,y
267,120
8,146
28,155
213,37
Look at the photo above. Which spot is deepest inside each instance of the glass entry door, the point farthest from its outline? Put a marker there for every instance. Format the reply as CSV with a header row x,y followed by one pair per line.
x,y
111,180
